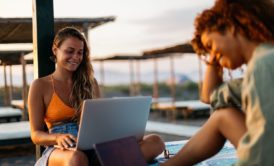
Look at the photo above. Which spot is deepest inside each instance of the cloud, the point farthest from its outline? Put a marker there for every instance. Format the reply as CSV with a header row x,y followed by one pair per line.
x,y
169,27
172,21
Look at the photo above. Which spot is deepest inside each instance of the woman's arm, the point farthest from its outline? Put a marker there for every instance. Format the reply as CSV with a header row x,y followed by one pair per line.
x,y
37,110
213,78
36,115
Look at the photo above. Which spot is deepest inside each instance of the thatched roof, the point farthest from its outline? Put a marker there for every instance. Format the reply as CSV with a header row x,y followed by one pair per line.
x,y
19,30
13,57
155,53
119,58
163,52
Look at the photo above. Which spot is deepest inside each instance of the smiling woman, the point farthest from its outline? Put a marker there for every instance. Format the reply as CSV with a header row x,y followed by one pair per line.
x,y
231,34
218,49
70,53
55,101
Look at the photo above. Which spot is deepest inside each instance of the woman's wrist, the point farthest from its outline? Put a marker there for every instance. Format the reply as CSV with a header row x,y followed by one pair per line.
x,y
56,138
214,70
215,67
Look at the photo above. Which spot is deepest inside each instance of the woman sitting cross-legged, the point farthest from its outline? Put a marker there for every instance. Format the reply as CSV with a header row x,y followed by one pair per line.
x,y
55,102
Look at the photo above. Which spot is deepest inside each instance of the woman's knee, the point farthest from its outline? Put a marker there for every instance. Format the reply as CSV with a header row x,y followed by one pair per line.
x,y
156,140
231,124
224,114
78,158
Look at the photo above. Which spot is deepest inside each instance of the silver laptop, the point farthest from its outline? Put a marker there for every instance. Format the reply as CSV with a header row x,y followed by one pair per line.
x,y
104,120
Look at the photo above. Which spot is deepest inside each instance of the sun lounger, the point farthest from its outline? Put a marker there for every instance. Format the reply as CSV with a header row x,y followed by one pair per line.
x,y
17,104
193,107
14,133
161,100
186,107
8,113
173,129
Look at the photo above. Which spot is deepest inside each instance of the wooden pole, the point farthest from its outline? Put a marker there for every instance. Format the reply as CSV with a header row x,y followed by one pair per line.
x,y
24,88
200,76
173,79
138,78
155,84
7,96
11,84
43,34
102,77
85,31
131,73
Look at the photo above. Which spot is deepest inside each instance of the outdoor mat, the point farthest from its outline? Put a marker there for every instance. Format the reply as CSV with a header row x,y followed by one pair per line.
x,y
226,157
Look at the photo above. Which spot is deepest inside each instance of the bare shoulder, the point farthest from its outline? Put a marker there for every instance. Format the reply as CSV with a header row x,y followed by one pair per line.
x,y
41,84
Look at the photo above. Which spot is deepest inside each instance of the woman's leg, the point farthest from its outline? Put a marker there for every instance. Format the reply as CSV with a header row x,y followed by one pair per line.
x,y
151,146
223,124
67,158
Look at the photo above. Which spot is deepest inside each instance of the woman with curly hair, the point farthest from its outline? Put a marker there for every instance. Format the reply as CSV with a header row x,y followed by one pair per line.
x,y
228,35
56,100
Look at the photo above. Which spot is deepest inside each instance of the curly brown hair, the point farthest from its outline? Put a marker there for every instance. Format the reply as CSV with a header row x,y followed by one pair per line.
x,y
83,78
253,19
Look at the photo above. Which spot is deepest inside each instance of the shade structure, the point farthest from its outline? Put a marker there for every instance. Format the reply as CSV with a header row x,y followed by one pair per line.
x,y
12,57
167,51
19,30
120,57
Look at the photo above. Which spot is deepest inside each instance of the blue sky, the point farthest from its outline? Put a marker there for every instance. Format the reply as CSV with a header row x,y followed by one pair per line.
x,y
140,25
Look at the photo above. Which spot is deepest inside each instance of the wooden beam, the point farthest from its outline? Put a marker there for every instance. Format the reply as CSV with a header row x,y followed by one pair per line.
x,y
131,77
7,96
200,75
102,78
85,31
11,83
138,78
43,34
173,79
24,88
155,84
11,32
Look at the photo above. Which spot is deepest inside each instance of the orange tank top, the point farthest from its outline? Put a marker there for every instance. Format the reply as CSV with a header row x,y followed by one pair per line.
x,y
57,111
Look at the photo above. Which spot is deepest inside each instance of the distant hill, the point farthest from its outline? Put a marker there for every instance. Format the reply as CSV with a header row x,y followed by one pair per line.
x,y
116,77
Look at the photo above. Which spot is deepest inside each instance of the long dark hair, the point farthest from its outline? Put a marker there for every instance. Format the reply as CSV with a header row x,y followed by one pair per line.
x,y
83,77
253,19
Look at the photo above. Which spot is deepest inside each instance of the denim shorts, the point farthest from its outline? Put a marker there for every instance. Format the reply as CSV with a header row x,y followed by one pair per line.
x,y
67,128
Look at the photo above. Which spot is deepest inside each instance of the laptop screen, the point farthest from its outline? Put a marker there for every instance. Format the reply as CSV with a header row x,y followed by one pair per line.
x,y
113,118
